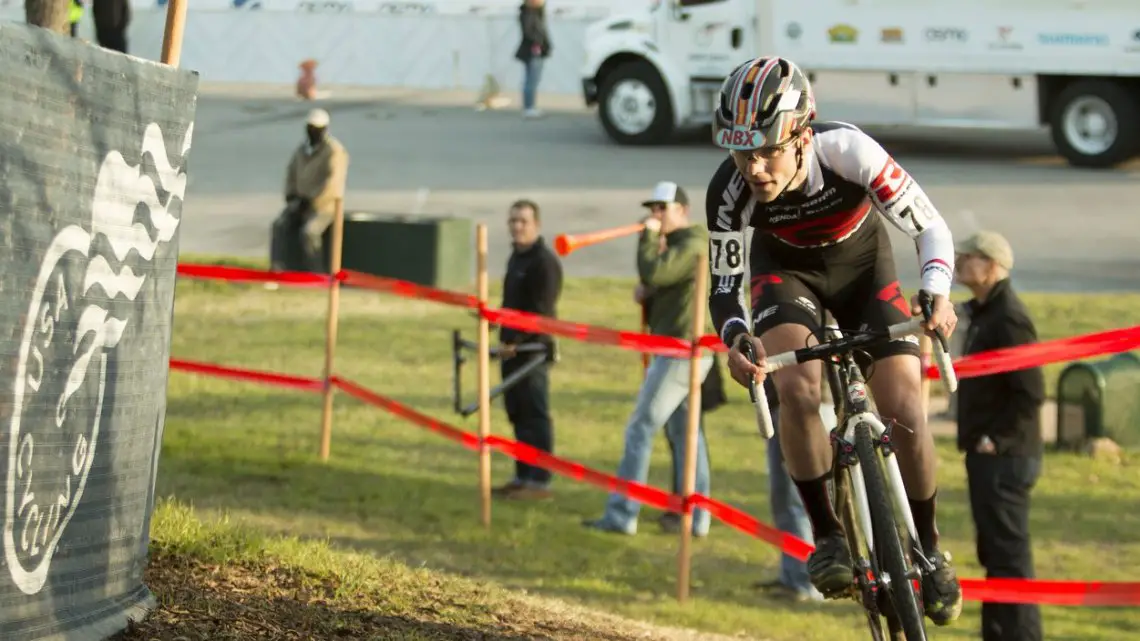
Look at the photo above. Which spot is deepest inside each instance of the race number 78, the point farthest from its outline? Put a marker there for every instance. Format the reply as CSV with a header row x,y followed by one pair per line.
x,y
727,254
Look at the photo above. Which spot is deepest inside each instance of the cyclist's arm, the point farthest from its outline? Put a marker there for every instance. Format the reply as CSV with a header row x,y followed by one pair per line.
x,y
899,198
725,202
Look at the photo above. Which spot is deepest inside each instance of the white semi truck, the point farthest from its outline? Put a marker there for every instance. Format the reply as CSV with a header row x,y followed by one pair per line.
x,y
1070,65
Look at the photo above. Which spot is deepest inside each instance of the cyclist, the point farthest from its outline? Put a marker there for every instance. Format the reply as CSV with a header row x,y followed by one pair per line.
x,y
809,190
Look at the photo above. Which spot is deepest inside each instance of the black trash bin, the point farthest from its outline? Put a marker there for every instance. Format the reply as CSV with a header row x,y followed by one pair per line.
x,y
436,251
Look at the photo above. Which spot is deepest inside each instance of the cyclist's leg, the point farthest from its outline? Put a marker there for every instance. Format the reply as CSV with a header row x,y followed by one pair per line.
x,y
787,315
896,385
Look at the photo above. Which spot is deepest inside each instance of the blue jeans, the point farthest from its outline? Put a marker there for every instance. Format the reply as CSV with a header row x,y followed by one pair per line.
x,y
662,400
532,73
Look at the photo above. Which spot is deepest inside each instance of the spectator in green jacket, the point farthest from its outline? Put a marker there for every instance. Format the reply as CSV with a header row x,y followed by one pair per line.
x,y
669,280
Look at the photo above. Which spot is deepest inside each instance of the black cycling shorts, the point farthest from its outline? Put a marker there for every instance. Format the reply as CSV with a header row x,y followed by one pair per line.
x,y
856,283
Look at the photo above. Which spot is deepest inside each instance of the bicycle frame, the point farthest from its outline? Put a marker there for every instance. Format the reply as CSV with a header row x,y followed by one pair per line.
x,y
857,410
853,413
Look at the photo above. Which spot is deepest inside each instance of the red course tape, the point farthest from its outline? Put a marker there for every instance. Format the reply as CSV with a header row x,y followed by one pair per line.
x,y
243,275
989,590
993,362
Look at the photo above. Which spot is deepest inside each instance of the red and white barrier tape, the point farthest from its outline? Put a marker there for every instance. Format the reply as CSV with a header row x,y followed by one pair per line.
x,y
990,590
983,364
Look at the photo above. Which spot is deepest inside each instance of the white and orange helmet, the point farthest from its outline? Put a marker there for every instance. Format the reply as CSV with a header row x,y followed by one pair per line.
x,y
762,102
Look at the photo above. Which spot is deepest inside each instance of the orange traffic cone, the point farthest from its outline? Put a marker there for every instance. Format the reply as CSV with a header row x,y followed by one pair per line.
x,y
307,83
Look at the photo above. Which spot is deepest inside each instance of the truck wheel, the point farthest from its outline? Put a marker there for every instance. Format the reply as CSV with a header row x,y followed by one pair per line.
x,y
1096,123
633,105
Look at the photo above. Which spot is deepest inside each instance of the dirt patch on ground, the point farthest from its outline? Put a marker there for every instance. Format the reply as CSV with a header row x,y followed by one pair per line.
x,y
247,601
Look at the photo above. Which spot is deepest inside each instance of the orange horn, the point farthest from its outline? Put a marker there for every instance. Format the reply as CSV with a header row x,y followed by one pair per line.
x,y
566,243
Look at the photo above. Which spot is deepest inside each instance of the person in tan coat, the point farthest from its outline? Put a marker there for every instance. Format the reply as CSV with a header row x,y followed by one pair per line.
x,y
315,178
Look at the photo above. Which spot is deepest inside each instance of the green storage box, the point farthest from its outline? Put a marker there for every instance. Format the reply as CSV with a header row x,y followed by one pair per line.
x,y
433,251
1099,399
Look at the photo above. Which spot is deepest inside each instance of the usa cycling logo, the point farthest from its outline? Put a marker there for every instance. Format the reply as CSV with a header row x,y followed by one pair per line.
x,y
83,301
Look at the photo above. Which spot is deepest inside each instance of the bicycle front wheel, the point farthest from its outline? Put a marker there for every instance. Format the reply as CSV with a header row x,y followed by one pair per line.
x,y
888,548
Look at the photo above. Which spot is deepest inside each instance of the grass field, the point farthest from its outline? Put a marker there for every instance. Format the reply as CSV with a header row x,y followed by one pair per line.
x,y
392,490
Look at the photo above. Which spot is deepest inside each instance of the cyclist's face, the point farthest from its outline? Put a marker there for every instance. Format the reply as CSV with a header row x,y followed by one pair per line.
x,y
768,170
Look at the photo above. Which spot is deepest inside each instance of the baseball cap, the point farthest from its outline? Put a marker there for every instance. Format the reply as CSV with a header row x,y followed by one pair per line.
x,y
990,244
318,118
667,192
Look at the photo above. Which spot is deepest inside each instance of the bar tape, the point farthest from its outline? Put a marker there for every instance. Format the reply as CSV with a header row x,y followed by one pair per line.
x,y
989,590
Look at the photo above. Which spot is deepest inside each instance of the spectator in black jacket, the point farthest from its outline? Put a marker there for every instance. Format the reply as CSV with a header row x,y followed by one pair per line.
x,y
112,19
533,283
533,49
999,430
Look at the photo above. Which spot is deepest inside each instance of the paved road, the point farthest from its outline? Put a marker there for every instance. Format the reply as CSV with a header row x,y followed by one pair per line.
x,y
1073,230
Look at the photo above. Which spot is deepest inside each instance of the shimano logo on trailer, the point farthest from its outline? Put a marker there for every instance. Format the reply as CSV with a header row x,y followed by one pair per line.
x,y
1073,39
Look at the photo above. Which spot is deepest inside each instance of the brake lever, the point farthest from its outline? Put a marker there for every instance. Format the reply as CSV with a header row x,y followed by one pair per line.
x,y
926,302
749,352
942,349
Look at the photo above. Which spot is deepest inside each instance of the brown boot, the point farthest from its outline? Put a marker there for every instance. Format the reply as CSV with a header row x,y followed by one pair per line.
x,y
507,489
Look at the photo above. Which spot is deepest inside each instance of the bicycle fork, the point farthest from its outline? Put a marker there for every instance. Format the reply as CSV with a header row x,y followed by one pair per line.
x,y
843,439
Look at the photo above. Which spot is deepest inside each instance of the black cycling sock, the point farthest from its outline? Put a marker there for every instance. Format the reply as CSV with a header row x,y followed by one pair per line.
x,y
817,503
924,523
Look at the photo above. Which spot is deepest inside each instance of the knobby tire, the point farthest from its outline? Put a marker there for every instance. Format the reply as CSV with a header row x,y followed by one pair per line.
x,y
845,508
889,548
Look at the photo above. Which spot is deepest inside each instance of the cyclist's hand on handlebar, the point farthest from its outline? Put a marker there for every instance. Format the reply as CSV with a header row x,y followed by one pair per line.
x,y
742,369
942,314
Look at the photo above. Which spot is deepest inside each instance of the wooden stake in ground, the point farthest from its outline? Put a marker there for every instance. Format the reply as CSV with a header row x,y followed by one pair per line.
x,y
484,373
172,37
332,321
700,301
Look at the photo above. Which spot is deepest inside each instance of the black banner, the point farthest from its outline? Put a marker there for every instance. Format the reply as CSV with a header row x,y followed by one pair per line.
x,y
93,157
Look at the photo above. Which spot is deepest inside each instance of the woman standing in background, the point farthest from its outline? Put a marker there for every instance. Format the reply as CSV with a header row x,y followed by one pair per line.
x,y
533,50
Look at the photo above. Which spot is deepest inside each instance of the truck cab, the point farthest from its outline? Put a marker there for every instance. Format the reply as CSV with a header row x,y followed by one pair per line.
x,y
924,63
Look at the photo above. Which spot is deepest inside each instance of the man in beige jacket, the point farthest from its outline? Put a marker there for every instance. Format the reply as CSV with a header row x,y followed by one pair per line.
x,y
314,180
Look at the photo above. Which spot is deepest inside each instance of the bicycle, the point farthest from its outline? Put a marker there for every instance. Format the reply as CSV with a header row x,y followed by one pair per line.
x,y
861,442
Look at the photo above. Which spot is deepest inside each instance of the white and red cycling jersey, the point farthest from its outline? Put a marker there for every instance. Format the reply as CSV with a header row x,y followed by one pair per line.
x,y
826,233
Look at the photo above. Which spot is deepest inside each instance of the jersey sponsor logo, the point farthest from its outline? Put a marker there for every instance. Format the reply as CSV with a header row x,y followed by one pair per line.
x,y
738,138
726,285
729,199
726,253
759,282
806,303
821,231
892,295
766,313
938,265
828,199
892,182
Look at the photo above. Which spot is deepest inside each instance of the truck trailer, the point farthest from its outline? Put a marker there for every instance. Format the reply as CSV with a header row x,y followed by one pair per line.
x,y
1070,66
